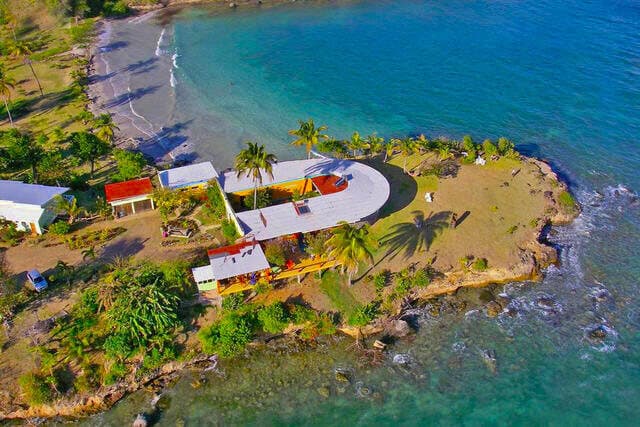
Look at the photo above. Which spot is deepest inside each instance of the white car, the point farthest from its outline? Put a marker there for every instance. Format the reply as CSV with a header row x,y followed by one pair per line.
x,y
35,278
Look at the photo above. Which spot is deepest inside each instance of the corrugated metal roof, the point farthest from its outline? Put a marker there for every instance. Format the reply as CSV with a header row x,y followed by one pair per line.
x,y
128,189
237,260
202,274
282,172
185,176
367,191
28,194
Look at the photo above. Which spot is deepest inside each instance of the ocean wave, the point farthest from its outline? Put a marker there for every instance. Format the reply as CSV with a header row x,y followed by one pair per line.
x,y
174,59
172,79
159,44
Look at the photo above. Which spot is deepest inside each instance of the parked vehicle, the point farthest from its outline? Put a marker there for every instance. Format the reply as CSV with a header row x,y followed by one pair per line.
x,y
35,278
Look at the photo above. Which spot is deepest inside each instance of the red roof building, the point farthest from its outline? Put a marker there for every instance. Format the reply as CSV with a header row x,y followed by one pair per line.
x,y
129,197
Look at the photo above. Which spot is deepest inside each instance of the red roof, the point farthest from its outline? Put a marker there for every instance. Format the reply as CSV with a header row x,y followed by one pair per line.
x,y
326,184
128,189
231,249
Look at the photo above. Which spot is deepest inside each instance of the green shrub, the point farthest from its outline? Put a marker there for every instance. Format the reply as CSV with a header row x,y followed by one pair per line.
x,y
263,196
512,229
489,148
81,33
480,264
89,379
229,230
273,318
130,164
215,201
274,252
421,278
117,371
262,287
363,315
117,347
35,388
59,228
232,302
300,314
505,146
118,8
567,202
156,357
380,280
320,324
229,336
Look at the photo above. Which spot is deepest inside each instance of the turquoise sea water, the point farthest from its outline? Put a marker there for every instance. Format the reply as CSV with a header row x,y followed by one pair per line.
x,y
561,78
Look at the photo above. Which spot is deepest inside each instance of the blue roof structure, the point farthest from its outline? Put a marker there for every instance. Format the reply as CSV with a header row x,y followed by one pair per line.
x,y
187,176
28,194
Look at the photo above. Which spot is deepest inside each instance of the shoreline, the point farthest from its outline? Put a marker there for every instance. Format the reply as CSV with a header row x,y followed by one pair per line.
x,y
536,257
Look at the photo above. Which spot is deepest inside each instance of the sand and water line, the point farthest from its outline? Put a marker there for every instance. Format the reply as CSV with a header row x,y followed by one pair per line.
x,y
558,77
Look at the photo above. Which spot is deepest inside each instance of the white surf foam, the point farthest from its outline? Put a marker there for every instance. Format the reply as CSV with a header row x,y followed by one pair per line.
x,y
159,44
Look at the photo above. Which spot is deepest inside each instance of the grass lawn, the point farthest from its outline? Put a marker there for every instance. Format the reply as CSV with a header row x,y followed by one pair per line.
x,y
333,285
496,211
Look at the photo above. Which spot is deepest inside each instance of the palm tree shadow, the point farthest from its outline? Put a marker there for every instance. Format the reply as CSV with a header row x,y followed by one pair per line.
x,y
415,236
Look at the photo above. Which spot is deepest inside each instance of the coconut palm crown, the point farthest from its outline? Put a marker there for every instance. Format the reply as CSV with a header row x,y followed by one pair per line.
x,y
350,245
251,162
308,135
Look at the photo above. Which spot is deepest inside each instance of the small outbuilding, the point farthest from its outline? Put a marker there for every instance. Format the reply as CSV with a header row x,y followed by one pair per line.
x,y
29,206
130,197
188,177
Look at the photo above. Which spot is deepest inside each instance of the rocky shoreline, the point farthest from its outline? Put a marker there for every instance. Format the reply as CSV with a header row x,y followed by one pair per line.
x,y
534,259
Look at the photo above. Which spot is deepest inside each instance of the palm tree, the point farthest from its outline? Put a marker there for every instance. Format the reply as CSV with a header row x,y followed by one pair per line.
x,y
389,148
251,162
89,253
356,143
70,207
423,144
6,83
376,144
444,152
20,48
407,147
349,245
308,135
104,127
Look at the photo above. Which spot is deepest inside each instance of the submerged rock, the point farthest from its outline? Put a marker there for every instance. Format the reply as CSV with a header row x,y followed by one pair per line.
x,y
490,360
342,376
493,309
599,333
324,392
400,328
401,359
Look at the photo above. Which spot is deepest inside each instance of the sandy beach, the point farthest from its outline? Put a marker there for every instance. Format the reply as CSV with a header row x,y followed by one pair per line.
x,y
131,77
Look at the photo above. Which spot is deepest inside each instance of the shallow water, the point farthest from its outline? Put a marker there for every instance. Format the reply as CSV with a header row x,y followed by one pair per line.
x,y
561,78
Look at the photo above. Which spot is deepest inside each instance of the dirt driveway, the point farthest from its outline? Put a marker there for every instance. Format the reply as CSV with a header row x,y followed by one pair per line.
x,y
141,240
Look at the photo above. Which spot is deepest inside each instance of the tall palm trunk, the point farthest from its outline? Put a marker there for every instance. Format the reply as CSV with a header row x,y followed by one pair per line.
x,y
6,106
34,173
255,196
28,62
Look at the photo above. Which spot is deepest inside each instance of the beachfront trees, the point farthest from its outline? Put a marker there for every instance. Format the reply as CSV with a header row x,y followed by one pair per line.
x,y
375,144
308,135
356,143
334,146
130,164
6,84
389,148
24,151
350,244
21,48
407,147
88,148
104,127
251,162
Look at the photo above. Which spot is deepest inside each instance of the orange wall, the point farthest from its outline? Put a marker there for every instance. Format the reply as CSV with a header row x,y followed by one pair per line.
x,y
281,190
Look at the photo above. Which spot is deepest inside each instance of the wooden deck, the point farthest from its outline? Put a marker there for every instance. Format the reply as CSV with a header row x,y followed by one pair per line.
x,y
306,266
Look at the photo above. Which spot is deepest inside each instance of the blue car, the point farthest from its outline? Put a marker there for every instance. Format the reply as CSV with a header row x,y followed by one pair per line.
x,y
35,278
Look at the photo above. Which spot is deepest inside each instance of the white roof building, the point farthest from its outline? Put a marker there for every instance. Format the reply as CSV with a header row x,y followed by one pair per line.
x,y
29,206
187,176
366,192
